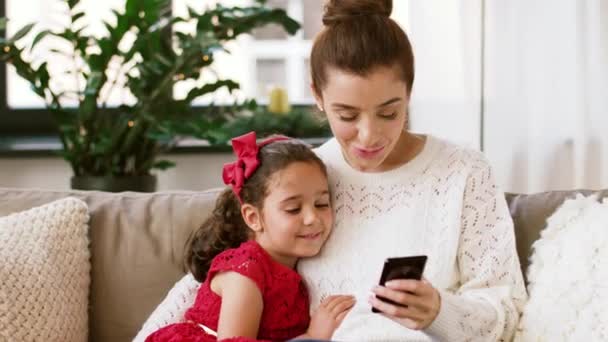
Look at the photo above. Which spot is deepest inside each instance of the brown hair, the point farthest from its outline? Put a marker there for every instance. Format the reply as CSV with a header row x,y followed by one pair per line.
x,y
225,228
359,36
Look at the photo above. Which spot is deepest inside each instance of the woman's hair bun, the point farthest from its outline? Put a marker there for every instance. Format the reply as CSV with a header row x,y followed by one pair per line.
x,y
337,11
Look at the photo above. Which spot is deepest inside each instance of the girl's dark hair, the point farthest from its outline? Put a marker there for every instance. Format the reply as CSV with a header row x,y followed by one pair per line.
x,y
225,228
359,35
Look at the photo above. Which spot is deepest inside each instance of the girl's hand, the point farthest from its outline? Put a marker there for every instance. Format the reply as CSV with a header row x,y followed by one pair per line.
x,y
328,316
418,300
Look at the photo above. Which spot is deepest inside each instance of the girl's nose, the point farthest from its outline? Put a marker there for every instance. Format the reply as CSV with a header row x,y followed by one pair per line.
x,y
310,216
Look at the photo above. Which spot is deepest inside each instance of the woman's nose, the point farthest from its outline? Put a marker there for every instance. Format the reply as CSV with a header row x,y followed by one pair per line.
x,y
366,131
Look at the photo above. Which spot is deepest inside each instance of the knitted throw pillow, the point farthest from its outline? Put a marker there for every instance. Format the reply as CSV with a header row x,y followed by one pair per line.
x,y
568,276
44,273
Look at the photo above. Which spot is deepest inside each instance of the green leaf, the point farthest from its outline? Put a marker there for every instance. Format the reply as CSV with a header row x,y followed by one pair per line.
x,y
3,22
94,83
22,32
192,12
109,27
39,37
72,3
77,16
163,165
43,75
163,60
210,88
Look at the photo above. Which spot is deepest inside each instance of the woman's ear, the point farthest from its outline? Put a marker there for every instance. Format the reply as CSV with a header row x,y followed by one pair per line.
x,y
318,98
252,217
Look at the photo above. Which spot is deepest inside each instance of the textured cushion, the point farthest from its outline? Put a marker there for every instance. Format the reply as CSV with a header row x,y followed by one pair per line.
x,y
137,246
568,276
44,273
530,213
173,308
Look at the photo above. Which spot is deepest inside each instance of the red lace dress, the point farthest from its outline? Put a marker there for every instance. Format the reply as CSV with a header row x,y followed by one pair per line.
x,y
285,313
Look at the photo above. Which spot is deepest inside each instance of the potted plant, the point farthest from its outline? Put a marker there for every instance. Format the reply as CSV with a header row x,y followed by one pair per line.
x,y
279,117
115,149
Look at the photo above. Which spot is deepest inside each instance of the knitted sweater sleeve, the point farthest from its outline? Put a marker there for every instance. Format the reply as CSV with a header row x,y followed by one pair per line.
x,y
487,304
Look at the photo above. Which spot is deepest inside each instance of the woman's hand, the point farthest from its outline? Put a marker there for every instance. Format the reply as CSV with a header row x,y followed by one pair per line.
x,y
418,300
328,316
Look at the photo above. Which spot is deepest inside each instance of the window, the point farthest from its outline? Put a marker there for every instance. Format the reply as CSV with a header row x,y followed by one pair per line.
x,y
22,111
266,59
269,57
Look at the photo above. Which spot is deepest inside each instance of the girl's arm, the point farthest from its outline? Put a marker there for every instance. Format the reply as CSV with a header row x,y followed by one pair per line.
x,y
242,305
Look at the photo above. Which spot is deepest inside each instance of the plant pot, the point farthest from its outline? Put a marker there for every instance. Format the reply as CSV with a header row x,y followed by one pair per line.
x,y
145,183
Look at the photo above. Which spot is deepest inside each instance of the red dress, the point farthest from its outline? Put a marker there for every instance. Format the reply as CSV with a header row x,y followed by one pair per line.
x,y
285,313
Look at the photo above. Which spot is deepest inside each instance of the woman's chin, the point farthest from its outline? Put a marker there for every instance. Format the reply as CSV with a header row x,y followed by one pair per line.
x,y
366,165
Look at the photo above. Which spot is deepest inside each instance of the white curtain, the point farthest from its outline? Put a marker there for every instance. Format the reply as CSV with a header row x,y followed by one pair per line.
x,y
446,98
546,93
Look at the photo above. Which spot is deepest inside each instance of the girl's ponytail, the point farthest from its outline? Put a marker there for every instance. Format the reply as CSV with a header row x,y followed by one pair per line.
x,y
224,229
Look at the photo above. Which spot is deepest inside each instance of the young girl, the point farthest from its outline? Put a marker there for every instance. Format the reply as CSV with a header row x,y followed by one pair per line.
x,y
277,211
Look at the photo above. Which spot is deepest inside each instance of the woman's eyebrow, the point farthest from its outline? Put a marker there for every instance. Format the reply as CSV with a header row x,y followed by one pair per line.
x,y
389,102
343,106
349,107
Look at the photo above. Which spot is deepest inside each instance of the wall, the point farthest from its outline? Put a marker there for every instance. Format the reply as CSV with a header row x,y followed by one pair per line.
x,y
193,172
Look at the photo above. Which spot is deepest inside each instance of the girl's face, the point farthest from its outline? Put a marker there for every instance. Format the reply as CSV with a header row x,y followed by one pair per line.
x,y
367,115
297,216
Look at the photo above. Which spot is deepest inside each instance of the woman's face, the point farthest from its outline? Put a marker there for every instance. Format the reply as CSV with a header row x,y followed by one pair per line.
x,y
367,115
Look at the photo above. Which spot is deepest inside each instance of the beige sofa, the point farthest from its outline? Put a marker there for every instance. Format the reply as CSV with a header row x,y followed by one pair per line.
x,y
137,245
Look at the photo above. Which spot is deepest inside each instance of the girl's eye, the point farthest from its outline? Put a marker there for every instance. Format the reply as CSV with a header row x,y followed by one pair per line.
x,y
322,205
293,210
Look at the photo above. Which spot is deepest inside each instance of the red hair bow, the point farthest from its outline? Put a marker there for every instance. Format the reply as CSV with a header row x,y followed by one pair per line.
x,y
246,149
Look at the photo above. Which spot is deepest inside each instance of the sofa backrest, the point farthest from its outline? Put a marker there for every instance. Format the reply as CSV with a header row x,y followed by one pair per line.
x,y
137,244
138,240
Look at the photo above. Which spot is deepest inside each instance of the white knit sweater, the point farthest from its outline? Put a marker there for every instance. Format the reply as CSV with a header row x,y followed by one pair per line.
x,y
443,204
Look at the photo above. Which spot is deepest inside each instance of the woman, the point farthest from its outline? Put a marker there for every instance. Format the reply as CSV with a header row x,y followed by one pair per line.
x,y
396,193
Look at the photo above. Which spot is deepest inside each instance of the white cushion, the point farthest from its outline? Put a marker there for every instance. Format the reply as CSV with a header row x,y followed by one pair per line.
x,y
568,276
172,309
44,273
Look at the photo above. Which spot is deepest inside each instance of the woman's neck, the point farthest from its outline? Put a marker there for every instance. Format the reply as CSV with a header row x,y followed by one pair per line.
x,y
406,149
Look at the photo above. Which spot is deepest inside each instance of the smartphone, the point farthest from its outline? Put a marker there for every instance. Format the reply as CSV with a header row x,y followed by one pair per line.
x,y
410,267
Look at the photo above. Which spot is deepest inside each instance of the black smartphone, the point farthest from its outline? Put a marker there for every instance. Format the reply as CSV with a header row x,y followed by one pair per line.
x,y
410,267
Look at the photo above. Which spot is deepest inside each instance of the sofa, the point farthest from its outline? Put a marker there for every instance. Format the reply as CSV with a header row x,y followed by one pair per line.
x,y
137,245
